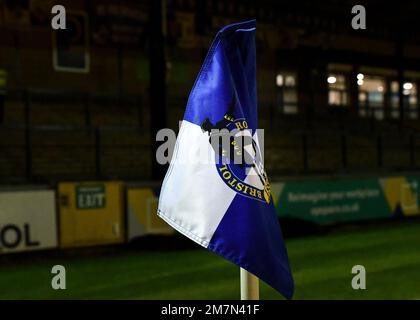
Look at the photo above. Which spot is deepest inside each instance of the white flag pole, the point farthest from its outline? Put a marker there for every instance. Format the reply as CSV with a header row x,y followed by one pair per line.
x,y
249,286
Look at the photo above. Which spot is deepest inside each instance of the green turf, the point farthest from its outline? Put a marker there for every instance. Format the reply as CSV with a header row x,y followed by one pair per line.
x,y
321,268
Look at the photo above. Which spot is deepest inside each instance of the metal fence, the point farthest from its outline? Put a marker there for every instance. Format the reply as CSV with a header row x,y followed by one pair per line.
x,y
34,152
40,154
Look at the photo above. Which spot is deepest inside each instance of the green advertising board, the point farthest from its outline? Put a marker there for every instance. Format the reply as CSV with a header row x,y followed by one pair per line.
x,y
328,201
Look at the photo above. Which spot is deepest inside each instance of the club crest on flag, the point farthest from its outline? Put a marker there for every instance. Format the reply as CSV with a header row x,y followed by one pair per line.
x,y
239,160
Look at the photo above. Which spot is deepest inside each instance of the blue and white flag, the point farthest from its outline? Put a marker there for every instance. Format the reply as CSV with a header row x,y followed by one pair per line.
x,y
224,205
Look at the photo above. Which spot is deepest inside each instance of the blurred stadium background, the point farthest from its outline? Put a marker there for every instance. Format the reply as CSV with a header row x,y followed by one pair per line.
x,y
79,112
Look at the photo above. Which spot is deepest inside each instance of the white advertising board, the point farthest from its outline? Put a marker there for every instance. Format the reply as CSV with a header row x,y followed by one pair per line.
x,y
27,220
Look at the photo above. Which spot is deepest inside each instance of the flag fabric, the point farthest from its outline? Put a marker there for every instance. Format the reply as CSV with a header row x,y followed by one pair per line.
x,y
226,206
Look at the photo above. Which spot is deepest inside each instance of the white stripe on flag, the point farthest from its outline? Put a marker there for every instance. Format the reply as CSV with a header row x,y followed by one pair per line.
x,y
194,199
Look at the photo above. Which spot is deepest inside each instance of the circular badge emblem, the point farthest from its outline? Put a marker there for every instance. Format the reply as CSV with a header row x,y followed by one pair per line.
x,y
238,157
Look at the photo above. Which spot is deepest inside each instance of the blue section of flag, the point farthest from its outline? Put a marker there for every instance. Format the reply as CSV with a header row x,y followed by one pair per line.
x,y
229,69
249,233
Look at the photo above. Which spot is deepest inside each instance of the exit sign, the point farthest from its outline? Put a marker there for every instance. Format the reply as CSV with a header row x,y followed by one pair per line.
x,y
90,197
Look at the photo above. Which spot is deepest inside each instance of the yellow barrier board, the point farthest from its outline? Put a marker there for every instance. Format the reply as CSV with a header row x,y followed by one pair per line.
x,y
91,213
402,194
142,215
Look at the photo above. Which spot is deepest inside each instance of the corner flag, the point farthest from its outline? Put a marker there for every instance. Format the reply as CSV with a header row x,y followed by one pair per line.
x,y
226,206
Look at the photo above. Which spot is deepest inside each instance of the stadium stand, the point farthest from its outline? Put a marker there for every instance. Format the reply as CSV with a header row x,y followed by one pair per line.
x,y
97,124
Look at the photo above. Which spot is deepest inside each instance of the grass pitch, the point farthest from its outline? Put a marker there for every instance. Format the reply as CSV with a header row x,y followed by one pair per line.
x,y
321,267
